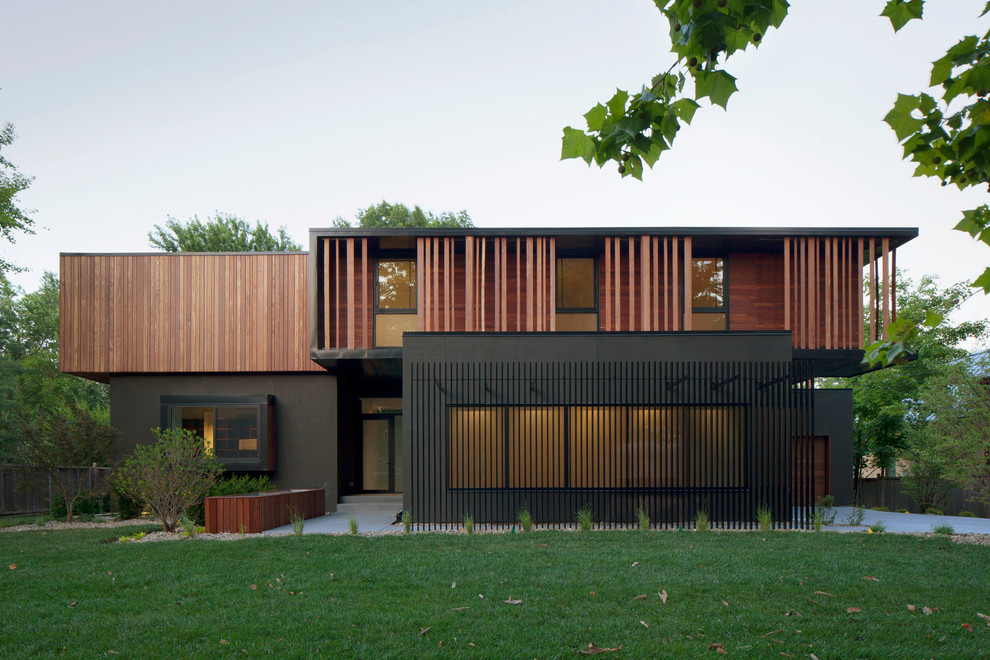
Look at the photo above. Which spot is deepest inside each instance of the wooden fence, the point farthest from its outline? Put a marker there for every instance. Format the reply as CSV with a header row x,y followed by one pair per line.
x,y
26,491
888,492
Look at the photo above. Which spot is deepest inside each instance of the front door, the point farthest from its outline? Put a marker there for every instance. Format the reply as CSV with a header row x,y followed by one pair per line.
x,y
382,452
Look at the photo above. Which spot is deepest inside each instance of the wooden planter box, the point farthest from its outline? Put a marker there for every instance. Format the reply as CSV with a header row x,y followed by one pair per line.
x,y
255,512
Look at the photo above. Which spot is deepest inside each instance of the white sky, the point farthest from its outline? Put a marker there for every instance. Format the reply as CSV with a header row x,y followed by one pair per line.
x,y
296,112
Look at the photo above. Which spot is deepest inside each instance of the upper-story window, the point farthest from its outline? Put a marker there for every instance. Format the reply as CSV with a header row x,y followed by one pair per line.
x,y
577,294
709,309
238,430
395,300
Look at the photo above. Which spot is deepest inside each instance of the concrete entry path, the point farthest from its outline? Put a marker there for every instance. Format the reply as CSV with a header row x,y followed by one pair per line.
x,y
909,522
374,513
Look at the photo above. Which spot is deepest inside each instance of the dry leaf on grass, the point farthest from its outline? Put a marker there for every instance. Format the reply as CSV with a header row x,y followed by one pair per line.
x,y
825,593
635,563
911,608
814,657
459,609
927,610
967,627
423,631
870,577
12,566
663,596
511,601
640,597
595,650
854,610
714,646
73,604
725,603
984,617
453,585
644,624
223,641
254,586
772,632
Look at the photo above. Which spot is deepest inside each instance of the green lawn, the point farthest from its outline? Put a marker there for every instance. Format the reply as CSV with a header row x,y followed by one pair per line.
x,y
364,597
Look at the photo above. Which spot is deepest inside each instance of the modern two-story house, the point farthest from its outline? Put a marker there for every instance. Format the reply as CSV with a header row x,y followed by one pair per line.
x,y
482,371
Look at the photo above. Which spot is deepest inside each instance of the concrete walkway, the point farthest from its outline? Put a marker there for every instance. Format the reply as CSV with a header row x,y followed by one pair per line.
x,y
374,513
909,522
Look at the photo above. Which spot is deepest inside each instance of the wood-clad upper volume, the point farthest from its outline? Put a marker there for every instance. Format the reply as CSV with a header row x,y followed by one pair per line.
x,y
172,313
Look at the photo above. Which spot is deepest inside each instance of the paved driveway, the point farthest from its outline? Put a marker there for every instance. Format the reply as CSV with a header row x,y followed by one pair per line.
x,y
910,522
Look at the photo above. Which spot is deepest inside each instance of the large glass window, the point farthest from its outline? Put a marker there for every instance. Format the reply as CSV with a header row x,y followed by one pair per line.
x,y
708,294
395,301
577,294
235,429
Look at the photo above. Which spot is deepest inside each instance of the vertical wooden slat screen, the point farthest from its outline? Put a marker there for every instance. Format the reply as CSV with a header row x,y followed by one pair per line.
x,y
645,284
687,283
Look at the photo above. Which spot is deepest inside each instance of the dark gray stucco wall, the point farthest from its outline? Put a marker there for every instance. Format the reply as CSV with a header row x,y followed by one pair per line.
x,y
834,418
305,418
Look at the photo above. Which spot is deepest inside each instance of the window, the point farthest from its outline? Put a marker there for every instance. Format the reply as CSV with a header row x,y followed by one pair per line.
x,y
709,310
395,301
238,430
577,294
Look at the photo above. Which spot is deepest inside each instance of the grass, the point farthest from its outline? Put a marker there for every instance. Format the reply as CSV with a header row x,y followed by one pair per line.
x,y
701,522
764,517
525,520
585,519
945,529
16,521
353,596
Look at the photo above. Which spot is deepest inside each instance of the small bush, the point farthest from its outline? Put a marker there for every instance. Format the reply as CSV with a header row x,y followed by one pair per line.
x,y
585,519
967,514
352,525
406,522
817,521
882,509
468,524
826,506
701,522
127,507
943,529
643,519
856,517
878,527
298,522
764,517
525,520
935,512
84,505
230,485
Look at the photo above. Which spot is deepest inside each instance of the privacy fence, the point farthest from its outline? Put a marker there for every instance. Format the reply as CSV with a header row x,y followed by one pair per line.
x,y
888,492
488,439
25,490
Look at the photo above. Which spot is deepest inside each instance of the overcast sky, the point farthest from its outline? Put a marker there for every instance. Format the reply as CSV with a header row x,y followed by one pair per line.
x,y
297,112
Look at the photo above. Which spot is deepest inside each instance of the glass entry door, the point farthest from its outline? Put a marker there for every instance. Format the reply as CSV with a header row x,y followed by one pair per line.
x,y
382,452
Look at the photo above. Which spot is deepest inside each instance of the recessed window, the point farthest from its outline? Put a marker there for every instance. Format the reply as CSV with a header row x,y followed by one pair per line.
x,y
395,301
238,430
708,294
577,294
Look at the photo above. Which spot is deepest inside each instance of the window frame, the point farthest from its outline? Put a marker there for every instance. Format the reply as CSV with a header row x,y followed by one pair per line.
x,y
265,405
403,255
724,309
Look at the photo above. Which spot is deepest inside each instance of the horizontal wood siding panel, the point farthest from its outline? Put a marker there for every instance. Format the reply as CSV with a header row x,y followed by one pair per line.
x,y
174,313
257,512
756,293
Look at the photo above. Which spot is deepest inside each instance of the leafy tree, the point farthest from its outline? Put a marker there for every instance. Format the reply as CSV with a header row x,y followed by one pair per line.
x,y
31,386
927,481
947,133
68,437
13,218
171,475
399,216
223,233
881,398
953,412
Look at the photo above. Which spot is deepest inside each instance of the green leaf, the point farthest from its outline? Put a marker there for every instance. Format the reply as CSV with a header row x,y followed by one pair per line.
x,y
716,85
983,281
986,10
576,144
932,319
964,49
779,12
900,119
685,109
901,11
941,70
596,117
617,104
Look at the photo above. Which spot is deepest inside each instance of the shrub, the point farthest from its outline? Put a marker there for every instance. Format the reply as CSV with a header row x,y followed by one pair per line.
x,y
352,525
826,506
967,514
934,512
882,509
944,529
764,518
701,522
817,521
585,519
855,518
230,485
643,519
85,505
170,475
406,522
127,506
468,524
525,520
878,527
